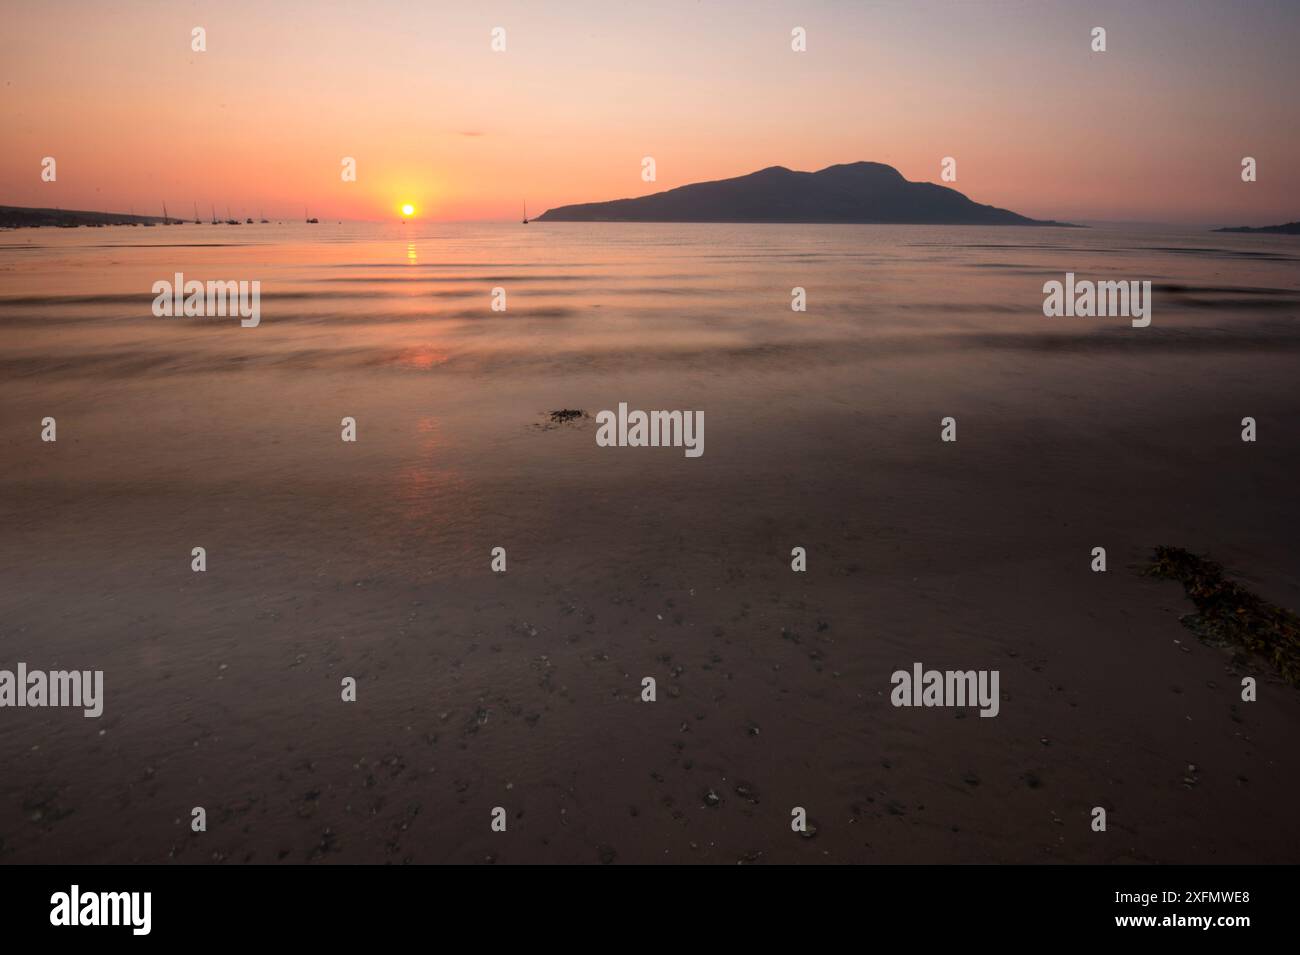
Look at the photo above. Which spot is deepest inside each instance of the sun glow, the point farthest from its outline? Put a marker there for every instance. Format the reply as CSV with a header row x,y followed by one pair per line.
x,y
408,210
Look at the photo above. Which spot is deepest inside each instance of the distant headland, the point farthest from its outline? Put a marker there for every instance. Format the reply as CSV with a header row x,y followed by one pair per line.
x,y
1288,228
852,193
19,217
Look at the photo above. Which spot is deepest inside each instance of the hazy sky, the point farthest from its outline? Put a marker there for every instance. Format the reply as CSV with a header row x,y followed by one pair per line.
x,y
1153,129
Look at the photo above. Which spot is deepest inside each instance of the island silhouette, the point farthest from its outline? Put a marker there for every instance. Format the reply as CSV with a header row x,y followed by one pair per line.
x,y
1286,228
859,192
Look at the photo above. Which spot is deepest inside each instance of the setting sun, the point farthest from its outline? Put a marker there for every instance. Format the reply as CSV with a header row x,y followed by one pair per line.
x,y
408,210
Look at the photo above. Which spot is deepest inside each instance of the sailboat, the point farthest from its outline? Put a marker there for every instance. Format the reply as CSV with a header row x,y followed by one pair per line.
x,y
265,220
214,216
168,220
525,213
230,221
310,220
196,214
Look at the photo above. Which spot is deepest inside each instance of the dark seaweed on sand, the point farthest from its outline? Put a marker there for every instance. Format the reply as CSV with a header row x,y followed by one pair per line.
x,y
1228,612
567,414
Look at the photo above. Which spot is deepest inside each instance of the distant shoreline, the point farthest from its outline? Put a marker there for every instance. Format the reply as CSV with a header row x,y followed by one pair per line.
x,y
1287,228
23,217
19,217
1035,223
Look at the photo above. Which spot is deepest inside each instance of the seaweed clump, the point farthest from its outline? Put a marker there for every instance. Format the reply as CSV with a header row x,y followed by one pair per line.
x,y
1229,613
563,418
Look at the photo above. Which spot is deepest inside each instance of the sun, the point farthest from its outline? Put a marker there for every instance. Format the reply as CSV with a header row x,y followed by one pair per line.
x,y
408,210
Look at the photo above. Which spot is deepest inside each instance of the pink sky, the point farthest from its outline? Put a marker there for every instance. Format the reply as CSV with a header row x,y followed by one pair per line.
x,y
1154,129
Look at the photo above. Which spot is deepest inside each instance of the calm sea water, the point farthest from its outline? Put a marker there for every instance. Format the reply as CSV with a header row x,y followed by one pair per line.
x,y
393,325
372,300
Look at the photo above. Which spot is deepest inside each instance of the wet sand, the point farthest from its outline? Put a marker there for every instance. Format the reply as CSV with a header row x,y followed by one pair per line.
x,y
521,690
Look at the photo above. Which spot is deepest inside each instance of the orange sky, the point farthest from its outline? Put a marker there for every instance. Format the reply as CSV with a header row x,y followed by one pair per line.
x,y
1154,129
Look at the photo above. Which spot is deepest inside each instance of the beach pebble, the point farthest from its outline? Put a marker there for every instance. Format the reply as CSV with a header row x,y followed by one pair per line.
x,y
746,791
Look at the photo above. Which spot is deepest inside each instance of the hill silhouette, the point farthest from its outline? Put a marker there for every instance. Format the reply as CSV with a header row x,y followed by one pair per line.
x,y
860,192
1287,228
